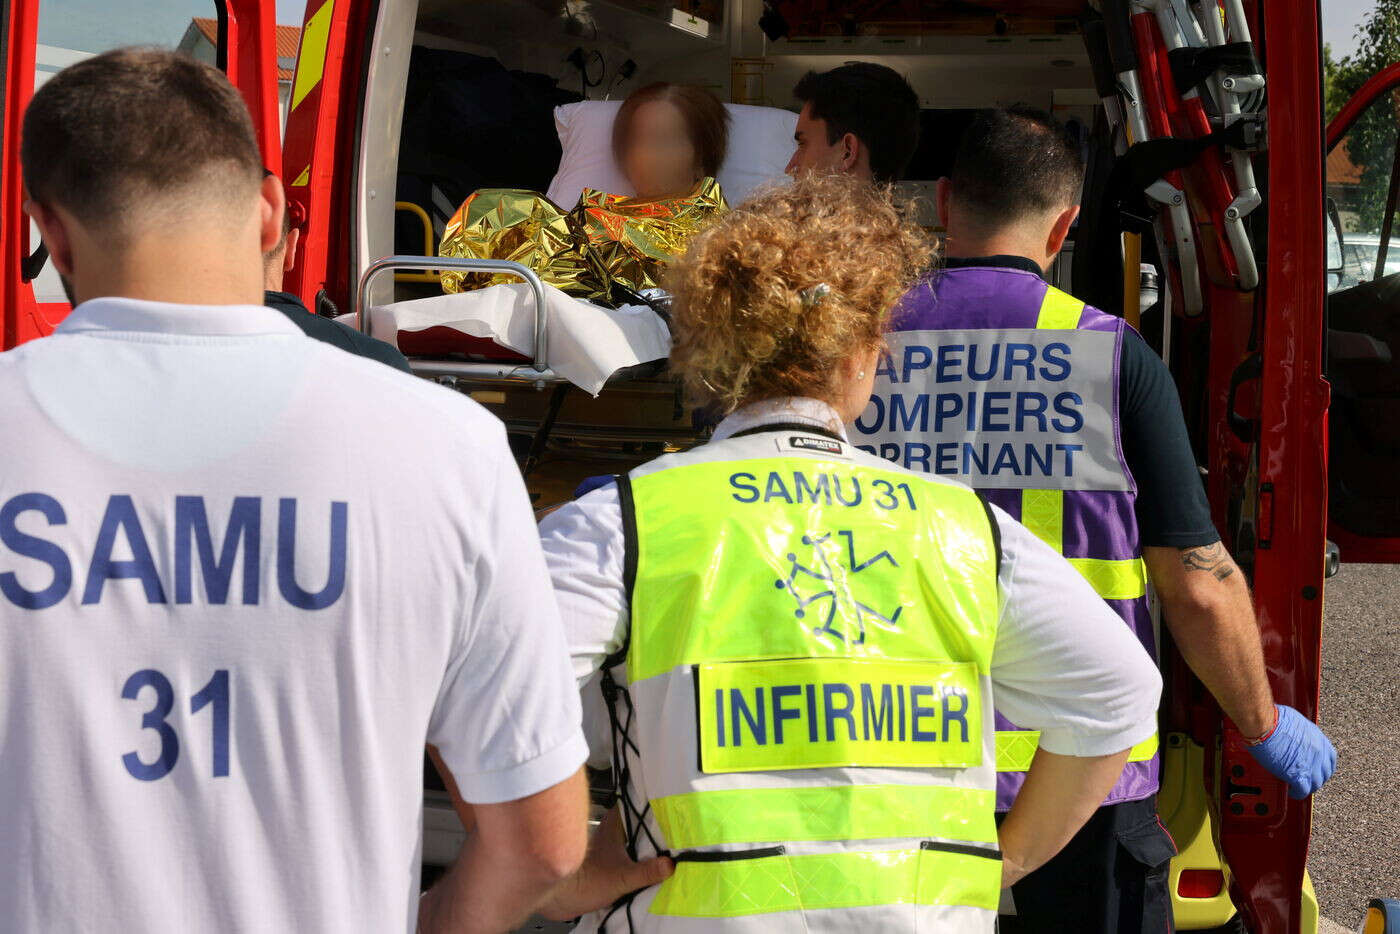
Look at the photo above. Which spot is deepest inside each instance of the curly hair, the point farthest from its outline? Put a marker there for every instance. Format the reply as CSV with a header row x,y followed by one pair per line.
x,y
748,319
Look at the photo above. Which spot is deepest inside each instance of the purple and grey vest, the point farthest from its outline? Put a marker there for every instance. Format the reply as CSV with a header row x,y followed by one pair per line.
x,y
1012,386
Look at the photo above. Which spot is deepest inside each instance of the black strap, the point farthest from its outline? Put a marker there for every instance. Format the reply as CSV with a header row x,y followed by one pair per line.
x,y
995,529
625,902
620,726
627,504
33,264
790,426
1151,159
1192,66
726,856
962,849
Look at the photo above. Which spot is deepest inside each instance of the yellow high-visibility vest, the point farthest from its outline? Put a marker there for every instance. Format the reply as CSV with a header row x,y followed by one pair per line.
x,y
808,666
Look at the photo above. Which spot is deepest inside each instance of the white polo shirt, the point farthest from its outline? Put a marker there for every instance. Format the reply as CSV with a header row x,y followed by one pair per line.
x,y
244,578
1063,663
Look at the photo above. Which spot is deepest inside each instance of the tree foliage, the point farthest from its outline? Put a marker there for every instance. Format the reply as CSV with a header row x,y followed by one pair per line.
x,y
1371,139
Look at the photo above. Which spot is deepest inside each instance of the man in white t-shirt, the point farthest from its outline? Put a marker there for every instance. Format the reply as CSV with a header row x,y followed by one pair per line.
x,y
245,576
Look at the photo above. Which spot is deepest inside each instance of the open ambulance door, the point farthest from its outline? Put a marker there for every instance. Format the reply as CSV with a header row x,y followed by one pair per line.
x,y
1266,440
1363,322
21,315
246,50
321,166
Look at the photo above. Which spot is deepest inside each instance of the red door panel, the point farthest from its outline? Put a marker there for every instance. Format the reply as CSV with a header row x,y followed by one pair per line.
x,y
320,145
248,55
248,52
1263,833
20,316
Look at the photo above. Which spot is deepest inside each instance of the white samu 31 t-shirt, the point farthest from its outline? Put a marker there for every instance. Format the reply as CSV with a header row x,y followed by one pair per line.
x,y
244,578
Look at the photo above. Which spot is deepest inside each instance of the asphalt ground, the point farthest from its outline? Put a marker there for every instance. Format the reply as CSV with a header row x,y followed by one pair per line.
x,y
1355,853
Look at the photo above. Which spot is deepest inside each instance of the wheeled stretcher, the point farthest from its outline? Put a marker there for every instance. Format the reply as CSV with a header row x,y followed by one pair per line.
x,y
615,413
608,399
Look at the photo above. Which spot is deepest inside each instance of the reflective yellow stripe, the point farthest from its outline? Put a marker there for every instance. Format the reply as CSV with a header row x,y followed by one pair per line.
x,y
836,812
1016,749
311,59
1059,311
1124,579
829,880
1042,512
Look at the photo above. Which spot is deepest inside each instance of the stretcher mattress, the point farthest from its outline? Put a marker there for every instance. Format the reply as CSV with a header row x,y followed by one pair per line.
x,y
586,343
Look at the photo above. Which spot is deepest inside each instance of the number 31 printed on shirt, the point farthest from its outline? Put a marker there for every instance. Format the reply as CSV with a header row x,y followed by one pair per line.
x,y
216,692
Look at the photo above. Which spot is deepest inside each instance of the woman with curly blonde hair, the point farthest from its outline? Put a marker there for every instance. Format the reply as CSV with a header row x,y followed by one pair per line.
x,y
789,297
799,643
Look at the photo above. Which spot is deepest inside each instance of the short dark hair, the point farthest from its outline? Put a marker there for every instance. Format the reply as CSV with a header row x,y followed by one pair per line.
x,y
872,102
1014,162
706,120
137,126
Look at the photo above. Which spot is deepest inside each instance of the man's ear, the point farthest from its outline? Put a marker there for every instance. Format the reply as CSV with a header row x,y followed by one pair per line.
x,y
272,202
850,151
54,232
1060,231
290,259
942,192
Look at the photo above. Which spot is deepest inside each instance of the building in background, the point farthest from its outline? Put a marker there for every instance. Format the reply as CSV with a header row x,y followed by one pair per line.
x,y
201,39
49,60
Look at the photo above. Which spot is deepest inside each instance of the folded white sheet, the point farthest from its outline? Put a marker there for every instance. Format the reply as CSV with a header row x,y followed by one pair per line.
x,y
587,343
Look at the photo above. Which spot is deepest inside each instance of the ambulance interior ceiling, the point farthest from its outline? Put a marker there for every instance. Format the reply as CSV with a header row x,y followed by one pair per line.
x,y
957,55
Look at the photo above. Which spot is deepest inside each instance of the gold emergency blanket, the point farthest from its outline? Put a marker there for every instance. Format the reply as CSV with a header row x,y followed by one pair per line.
x,y
604,239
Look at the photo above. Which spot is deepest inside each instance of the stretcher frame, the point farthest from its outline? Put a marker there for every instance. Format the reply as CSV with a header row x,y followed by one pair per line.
x,y
534,373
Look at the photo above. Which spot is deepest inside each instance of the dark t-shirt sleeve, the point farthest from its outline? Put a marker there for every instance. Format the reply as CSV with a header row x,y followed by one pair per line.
x,y
335,333
376,349
1172,510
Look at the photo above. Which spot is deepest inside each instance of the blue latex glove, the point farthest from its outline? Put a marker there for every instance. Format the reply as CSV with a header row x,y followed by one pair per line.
x,y
1297,752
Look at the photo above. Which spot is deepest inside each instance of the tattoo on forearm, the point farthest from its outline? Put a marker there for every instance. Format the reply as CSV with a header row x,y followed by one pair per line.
x,y
1213,558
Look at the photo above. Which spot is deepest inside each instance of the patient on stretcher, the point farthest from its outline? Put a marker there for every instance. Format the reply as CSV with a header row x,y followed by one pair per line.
x,y
669,142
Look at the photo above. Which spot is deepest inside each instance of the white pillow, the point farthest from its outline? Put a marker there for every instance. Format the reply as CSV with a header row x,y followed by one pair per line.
x,y
760,145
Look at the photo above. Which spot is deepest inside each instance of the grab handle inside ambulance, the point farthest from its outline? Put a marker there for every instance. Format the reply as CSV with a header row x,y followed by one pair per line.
x,y
33,264
538,358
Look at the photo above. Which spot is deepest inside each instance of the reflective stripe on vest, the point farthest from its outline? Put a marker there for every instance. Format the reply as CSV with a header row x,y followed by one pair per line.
x,y
1059,311
796,614
827,812
1016,749
1042,513
812,881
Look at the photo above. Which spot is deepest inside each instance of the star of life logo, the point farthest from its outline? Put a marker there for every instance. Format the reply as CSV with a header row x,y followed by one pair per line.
x,y
824,580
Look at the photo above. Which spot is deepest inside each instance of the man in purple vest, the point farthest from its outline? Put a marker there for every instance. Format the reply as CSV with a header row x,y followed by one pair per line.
x,y
1064,417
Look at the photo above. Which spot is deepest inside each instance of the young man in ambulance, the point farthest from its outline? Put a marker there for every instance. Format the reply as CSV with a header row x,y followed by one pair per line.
x,y
1064,417
245,576
277,262
801,643
858,119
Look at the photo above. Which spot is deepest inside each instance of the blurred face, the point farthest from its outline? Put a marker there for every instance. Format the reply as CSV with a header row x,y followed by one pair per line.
x,y
813,152
660,161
